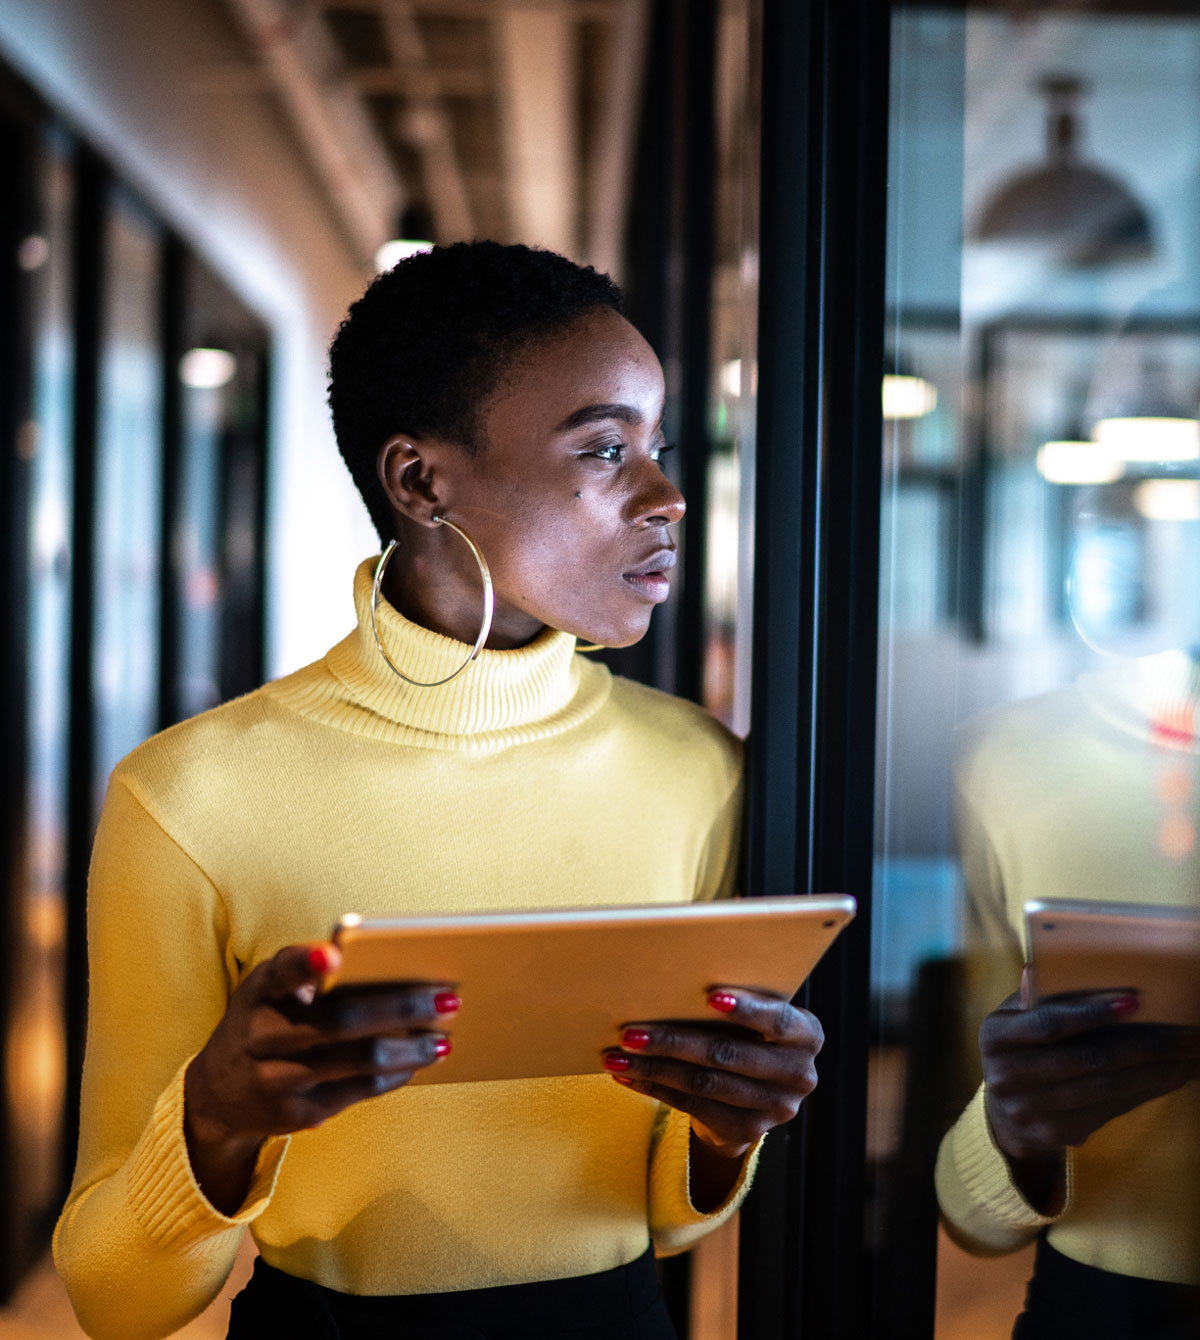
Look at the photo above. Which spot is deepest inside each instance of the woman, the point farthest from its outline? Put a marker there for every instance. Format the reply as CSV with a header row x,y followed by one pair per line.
x,y
488,400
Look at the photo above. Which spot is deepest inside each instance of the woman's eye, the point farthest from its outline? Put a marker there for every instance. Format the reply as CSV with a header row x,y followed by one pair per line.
x,y
659,452
611,451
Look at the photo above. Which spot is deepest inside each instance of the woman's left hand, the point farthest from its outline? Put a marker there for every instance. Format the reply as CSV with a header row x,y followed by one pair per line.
x,y
736,1079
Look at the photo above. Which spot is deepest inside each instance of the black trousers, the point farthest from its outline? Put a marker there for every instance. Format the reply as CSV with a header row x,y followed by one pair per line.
x,y
620,1304
1069,1301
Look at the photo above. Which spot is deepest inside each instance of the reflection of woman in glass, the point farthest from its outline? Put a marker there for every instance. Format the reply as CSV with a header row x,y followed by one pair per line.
x,y
494,394
1086,1132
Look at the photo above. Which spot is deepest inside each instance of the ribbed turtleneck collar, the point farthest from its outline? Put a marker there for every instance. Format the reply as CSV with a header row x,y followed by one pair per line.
x,y
503,697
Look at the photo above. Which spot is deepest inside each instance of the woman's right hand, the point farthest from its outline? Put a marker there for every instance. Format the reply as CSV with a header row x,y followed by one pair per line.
x,y
285,1059
1057,1071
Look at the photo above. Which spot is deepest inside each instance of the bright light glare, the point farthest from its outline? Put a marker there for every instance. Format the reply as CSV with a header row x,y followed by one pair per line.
x,y
1168,499
397,250
1149,439
1077,463
908,397
206,369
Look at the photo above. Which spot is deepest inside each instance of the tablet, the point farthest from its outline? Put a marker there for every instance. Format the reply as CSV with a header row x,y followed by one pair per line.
x,y
545,992
1099,946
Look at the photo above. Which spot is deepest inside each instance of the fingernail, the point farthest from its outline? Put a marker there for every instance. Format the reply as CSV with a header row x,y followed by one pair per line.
x,y
723,1002
635,1039
318,959
622,1079
616,1062
1124,1005
446,1002
442,1047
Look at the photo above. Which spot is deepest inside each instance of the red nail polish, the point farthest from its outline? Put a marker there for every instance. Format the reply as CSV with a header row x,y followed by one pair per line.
x,y
318,959
1124,1005
446,1002
723,1002
442,1046
635,1039
622,1079
616,1062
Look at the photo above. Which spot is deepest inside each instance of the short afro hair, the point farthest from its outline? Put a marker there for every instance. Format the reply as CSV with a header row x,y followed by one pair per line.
x,y
431,339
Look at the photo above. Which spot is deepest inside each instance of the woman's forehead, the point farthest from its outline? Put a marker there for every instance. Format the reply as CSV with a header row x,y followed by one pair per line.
x,y
598,368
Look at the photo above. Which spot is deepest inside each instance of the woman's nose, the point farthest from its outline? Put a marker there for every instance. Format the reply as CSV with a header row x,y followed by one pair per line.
x,y
660,503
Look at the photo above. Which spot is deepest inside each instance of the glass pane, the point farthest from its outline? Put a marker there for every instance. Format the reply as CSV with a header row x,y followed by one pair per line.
x,y
215,578
36,1052
729,565
128,492
1039,637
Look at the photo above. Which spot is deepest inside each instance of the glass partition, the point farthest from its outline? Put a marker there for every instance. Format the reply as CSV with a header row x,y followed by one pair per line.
x,y
128,517
1039,626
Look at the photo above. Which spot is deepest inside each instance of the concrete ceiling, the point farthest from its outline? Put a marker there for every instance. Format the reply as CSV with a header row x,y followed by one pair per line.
x,y
509,119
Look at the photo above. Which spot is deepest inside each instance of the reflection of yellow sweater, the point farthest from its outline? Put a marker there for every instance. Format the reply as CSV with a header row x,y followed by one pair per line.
x,y
1081,794
534,779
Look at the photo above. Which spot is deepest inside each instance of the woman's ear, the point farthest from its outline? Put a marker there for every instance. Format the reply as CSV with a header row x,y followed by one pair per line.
x,y
406,473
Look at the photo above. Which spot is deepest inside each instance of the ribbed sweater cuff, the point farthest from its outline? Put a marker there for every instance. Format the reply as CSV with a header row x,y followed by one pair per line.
x,y
987,1178
671,1177
163,1191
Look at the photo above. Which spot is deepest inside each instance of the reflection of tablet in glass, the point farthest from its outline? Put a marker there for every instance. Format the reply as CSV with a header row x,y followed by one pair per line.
x,y
1098,946
545,992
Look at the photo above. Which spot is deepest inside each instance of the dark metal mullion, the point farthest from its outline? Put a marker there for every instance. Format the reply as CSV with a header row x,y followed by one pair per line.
x,y
778,821
836,1288
92,183
816,599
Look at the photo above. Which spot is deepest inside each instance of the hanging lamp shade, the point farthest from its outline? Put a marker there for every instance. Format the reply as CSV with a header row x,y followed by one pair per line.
x,y
1085,215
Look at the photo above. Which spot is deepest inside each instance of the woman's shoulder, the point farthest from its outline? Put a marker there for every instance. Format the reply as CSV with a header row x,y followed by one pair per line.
x,y
676,725
240,737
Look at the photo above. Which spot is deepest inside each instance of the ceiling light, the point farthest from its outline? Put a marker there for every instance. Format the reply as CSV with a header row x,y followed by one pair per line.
x,y
1085,214
908,397
207,369
1168,499
398,249
1077,463
1148,438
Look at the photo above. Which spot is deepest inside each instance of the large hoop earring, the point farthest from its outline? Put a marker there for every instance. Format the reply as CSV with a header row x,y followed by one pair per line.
x,y
590,646
489,604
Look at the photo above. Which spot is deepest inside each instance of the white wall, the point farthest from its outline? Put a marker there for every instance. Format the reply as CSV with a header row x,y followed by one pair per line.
x,y
166,90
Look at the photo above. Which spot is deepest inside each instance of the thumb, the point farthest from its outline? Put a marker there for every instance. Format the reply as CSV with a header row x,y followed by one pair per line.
x,y
298,970
1027,993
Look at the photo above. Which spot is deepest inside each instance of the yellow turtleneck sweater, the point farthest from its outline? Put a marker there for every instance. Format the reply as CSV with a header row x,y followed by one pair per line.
x,y
534,779
1082,794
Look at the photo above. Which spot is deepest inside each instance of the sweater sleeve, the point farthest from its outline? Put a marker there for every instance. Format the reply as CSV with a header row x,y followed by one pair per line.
x,y
675,1223
140,1249
981,1207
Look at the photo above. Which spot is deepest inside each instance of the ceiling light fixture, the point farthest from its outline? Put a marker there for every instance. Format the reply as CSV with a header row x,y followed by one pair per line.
x,y
908,397
1077,463
205,369
1085,214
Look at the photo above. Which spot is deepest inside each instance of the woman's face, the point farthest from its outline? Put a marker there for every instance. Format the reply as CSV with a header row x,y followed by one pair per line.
x,y
566,497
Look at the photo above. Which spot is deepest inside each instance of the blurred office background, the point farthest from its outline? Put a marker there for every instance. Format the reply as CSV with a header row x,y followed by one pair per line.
x,y
925,279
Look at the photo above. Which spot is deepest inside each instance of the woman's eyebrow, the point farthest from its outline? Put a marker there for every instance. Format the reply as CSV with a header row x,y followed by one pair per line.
x,y
597,414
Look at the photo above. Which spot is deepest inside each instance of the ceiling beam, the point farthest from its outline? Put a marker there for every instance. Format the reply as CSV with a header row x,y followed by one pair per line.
x,y
332,124
610,171
426,125
536,61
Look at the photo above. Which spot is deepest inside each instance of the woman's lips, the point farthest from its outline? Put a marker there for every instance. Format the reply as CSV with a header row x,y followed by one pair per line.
x,y
654,586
